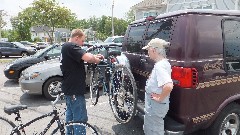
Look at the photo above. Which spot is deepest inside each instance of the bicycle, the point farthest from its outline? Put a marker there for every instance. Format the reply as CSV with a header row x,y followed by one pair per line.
x,y
116,81
7,127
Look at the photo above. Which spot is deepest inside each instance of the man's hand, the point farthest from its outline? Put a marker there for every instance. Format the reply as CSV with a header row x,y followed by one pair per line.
x,y
99,56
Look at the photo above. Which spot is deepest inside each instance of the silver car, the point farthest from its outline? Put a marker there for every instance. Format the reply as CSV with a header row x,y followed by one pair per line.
x,y
44,78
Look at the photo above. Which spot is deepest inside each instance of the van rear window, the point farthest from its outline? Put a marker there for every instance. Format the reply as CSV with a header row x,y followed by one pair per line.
x,y
159,29
135,38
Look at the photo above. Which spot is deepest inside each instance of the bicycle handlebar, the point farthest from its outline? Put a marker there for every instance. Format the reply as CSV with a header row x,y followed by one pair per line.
x,y
60,96
103,46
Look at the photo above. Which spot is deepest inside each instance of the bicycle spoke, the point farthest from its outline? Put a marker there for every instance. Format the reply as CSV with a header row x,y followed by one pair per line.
x,y
94,86
81,128
124,96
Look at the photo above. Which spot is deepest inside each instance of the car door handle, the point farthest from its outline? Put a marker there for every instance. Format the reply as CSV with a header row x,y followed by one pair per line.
x,y
143,60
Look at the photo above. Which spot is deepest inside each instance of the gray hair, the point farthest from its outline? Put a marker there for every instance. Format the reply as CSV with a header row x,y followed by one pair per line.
x,y
161,51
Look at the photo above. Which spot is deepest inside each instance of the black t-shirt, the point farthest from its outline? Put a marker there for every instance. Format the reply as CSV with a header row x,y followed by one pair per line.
x,y
73,69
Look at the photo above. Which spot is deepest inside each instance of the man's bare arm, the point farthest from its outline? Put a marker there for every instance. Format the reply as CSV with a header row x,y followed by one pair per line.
x,y
90,58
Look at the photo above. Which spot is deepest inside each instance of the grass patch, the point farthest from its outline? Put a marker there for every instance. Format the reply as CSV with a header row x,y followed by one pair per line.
x,y
5,60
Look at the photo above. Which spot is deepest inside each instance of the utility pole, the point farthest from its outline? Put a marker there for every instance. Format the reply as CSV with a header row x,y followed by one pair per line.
x,y
236,4
112,19
1,22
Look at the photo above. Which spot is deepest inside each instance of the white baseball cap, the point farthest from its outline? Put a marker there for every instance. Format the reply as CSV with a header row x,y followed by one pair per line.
x,y
157,43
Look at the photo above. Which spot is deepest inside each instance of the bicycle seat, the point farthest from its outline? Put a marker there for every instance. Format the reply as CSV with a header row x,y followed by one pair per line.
x,y
14,108
115,52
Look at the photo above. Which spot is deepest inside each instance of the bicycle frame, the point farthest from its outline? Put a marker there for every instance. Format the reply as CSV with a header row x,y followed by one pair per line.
x,y
54,113
105,79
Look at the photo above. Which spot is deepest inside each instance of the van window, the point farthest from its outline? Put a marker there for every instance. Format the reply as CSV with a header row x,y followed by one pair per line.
x,y
231,32
135,38
159,29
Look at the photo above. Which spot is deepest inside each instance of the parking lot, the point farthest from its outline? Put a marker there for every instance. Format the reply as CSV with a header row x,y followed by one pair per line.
x,y
100,115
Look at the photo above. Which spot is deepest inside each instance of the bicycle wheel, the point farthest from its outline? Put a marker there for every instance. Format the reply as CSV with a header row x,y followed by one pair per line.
x,y
82,127
94,85
6,127
123,94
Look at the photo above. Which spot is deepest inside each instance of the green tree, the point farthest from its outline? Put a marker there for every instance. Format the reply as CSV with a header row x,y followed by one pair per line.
x,y
37,39
21,28
49,13
2,22
130,16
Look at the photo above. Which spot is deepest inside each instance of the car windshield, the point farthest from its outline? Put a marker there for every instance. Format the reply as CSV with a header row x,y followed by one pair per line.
x,y
109,39
40,52
19,44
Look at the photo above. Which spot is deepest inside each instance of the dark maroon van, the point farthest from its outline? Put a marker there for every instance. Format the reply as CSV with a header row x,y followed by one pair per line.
x,y
205,58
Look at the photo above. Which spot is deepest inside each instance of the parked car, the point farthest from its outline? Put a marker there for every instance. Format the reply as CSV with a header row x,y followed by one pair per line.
x,y
41,45
27,44
13,70
15,49
42,78
114,39
45,78
204,54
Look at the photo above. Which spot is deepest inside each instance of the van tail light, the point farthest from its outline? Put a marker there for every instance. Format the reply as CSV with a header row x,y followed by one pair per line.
x,y
186,77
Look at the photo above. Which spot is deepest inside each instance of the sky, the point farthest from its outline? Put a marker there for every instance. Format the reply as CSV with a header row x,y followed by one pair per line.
x,y
82,8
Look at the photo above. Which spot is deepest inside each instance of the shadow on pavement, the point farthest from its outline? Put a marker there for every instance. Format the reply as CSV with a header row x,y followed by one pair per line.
x,y
36,100
132,128
11,83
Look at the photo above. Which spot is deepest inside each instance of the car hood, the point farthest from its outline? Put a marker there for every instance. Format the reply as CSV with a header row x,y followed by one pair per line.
x,y
43,65
29,59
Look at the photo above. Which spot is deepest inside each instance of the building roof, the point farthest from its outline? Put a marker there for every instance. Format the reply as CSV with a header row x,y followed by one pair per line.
x,y
148,4
62,30
39,29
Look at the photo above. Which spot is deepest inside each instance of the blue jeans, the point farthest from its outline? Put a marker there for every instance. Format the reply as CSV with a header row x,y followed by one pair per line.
x,y
76,111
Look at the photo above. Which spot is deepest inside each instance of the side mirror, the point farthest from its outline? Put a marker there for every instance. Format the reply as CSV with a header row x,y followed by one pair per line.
x,y
47,57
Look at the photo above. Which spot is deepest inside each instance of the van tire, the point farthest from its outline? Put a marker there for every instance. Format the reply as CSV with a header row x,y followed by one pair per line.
x,y
0,55
50,87
229,115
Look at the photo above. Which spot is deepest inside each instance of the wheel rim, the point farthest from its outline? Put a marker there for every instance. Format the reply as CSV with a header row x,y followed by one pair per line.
x,y
54,88
93,91
122,100
94,88
230,125
24,54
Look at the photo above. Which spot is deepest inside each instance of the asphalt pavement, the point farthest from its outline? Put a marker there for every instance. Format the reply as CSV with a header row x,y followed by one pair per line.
x,y
100,116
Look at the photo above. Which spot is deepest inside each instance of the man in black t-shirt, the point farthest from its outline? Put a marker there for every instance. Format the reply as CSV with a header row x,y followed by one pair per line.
x,y
74,76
